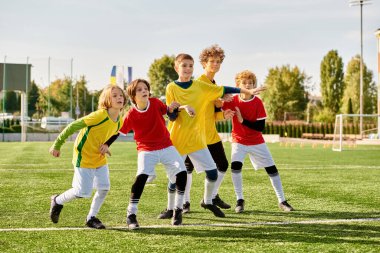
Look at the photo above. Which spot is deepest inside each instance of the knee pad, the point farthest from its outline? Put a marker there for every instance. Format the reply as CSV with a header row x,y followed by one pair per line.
x,y
236,167
189,165
181,180
222,166
171,187
272,171
212,175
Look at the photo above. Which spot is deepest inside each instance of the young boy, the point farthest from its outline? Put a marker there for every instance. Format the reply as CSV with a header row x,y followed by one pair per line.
x,y
247,126
211,59
188,133
89,160
153,145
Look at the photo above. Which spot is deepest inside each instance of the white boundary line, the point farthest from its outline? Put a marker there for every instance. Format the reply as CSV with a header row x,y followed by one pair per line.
x,y
248,224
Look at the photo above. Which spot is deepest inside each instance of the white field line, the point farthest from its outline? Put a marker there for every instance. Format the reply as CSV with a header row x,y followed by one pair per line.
x,y
248,224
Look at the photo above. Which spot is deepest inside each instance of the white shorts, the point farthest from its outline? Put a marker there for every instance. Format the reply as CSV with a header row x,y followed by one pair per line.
x,y
85,180
202,160
258,154
169,157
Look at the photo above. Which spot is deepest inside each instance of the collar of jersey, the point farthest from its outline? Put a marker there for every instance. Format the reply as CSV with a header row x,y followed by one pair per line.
x,y
144,110
184,85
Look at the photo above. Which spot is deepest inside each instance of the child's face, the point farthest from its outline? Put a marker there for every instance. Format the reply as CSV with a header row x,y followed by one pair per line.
x,y
212,65
117,98
142,93
246,83
185,69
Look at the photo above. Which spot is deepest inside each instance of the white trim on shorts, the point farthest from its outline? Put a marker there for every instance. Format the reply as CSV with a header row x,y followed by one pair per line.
x,y
169,157
259,155
202,160
85,180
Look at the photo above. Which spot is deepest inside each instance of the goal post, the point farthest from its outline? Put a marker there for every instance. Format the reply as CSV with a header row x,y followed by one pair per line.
x,y
347,130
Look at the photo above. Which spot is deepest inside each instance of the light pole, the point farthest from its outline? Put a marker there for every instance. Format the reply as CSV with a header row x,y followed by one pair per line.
x,y
360,3
377,33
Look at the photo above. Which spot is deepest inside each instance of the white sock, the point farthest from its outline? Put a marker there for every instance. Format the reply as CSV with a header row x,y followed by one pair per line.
x,y
277,186
209,188
218,183
188,187
237,179
132,208
179,200
65,197
97,202
171,200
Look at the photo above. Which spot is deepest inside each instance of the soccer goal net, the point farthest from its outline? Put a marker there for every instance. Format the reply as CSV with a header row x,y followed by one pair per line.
x,y
352,129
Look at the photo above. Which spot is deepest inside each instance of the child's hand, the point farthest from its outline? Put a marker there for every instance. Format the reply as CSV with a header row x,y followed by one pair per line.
x,y
54,152
238,115
218,103
173,106
190,110
227,98
228,114
104,149
256,91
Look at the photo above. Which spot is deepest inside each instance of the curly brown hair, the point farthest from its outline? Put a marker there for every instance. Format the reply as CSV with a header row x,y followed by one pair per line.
x,y
245,74
212,51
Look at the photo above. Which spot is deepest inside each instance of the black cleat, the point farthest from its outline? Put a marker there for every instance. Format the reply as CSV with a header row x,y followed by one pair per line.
x,y
285,206
219,202
186,207
213,208
177,218
132,222
166,214
239,206
95,223
55,209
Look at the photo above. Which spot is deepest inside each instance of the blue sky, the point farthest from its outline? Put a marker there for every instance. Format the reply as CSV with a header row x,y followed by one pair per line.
x,y
255,35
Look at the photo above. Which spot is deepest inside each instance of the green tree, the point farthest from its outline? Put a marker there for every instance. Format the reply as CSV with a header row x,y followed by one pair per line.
x,y
161,72
33,94
352,91
332,83
286,91
12,101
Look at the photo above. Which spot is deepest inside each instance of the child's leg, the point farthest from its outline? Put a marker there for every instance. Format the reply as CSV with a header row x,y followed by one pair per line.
x,y
136,192
180,187
102,186
275,179
219,157
210,180
190,168
171,196
238,153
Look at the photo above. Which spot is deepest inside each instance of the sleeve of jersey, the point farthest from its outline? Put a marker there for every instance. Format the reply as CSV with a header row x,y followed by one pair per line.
x,y
94,118
261,114
212,92
127,124
163,107
68,131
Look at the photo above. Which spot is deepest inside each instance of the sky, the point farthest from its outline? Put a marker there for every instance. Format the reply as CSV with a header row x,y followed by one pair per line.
x,y
256,35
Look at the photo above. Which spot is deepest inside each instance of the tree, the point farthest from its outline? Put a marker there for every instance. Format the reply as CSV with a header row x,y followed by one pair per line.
x,y
12,101
286,91
33,94
332,83
161,72
352,91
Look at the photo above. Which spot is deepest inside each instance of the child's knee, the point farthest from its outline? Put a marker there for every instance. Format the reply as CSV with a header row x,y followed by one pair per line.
x,y
272,171
212,175
181,179
83,193
236,167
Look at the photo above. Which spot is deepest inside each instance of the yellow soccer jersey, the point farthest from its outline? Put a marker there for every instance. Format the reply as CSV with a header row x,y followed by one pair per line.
x,y
96,129
187,133
211,116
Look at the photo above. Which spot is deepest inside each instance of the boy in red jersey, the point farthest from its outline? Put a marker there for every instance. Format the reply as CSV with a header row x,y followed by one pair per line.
x,y
247,138
146,120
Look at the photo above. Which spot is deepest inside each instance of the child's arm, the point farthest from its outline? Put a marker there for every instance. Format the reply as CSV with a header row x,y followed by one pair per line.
x,y
190,110
104,147
255,91
68,131
175,108
257,125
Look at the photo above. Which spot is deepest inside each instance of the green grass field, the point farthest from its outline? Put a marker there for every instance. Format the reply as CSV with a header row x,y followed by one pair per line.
x,y
336,196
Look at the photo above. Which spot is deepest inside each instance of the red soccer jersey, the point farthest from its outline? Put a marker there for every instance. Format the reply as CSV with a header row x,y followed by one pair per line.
x,y
251,110
150,132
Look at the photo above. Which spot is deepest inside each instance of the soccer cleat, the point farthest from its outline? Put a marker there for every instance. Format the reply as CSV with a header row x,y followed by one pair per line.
x,y
95,223
177,218
214,209
132,222
55,209
285,206
186,207
166,214
239,206
219,202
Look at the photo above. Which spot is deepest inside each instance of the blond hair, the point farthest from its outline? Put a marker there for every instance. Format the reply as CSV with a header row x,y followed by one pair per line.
x,y
179,58
105,100
245,74
132,87
212,51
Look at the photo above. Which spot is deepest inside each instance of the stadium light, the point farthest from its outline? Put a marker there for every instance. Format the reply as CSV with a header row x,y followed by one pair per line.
x,y
360,3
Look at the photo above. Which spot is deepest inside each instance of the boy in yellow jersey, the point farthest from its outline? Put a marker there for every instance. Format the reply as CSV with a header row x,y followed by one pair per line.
x,y
188,132
89,160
